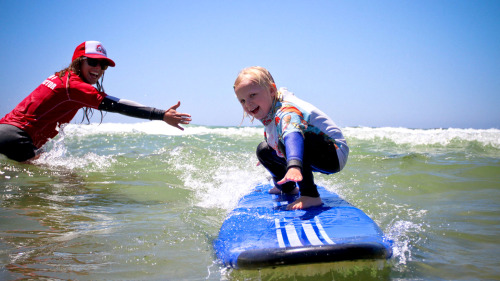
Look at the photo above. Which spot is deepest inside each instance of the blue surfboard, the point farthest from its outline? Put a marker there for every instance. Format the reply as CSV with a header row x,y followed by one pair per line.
x,y
260,232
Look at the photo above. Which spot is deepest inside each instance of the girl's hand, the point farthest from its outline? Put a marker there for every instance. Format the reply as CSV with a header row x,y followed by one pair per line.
x,y
174,118
293,174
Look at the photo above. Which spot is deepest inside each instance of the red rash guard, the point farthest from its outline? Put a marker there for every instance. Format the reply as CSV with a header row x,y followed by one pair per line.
x,y
53,103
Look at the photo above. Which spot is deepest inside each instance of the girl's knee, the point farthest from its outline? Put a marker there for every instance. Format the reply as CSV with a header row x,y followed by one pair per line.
x,y
264,151
261,147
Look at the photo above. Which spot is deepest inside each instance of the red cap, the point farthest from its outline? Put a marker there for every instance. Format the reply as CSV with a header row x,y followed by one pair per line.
x,y
92,49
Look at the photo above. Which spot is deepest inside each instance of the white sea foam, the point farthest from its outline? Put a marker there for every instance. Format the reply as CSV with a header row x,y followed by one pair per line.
x,y
157,128
58,156
425,137
396,135
152,128
97,162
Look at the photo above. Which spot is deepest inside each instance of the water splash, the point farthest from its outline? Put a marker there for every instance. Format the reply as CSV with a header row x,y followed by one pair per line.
x,y
59,157
220,184
406,233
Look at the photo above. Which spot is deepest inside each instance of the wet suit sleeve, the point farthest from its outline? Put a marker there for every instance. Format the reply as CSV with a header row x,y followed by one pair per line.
x,y
294,146
130,108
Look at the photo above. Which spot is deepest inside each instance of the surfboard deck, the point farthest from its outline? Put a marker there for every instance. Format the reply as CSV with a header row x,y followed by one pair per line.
x,y
260,232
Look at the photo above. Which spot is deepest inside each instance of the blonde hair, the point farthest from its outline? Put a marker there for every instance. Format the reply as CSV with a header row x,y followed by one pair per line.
x,y
257,74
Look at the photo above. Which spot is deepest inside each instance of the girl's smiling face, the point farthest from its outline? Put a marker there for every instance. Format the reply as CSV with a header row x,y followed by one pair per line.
x,y
255,99
91,74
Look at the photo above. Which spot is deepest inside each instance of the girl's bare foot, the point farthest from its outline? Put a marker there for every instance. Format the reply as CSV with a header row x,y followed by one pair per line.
x,y
305,202
275,190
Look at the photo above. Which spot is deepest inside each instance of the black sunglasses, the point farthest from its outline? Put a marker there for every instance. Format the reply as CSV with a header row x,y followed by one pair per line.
x,y
94,62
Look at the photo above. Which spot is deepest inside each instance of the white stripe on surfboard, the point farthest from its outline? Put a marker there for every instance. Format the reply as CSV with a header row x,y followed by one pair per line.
x,y
292,235
279,204
279,234
322,231
311,234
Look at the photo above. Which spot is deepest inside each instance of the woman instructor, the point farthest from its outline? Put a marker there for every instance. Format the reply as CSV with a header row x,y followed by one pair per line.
x,y
36,119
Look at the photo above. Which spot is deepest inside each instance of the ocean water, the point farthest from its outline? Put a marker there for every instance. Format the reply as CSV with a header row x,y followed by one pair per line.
x,y
145,201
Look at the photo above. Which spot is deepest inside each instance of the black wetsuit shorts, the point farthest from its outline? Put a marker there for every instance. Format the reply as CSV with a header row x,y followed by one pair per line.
x,y
16,143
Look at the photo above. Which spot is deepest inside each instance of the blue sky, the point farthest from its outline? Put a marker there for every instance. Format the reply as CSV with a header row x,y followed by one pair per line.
x,y
415,64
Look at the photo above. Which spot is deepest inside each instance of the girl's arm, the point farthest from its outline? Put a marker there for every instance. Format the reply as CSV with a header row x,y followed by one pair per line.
x,y
294,146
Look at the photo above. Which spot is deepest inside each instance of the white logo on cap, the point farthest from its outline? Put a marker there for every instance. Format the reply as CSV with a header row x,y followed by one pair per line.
x,y
101,49
95,47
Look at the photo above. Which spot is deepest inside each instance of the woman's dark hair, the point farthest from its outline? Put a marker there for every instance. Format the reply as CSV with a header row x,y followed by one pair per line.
x,y
75,67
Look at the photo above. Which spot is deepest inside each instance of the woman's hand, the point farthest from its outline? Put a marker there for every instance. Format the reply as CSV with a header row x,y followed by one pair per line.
x,y
174,118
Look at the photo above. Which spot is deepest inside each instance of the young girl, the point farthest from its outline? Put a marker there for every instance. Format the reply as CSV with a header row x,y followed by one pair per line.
x,y
299,138
56,101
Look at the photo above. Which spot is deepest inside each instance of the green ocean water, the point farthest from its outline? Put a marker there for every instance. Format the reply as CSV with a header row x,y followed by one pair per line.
x,y
144,202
